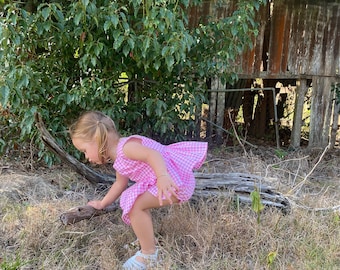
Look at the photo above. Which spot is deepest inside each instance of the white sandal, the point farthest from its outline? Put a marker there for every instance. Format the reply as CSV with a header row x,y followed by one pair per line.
x,y
133,264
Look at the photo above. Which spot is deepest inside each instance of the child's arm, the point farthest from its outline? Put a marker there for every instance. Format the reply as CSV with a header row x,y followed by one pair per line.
x,y
115,191
134,149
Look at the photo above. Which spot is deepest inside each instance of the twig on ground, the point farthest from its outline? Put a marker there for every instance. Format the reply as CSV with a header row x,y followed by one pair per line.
x,y
226,131
285,161
322,209
235,133
298,187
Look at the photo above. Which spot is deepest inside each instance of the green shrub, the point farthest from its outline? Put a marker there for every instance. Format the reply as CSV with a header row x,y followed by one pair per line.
x,y
137,61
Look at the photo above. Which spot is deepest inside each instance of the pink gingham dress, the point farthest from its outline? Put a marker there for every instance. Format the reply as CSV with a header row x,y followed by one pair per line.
x,y
181,159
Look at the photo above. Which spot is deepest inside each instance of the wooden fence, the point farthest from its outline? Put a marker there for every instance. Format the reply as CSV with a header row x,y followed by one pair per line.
x,y
298,41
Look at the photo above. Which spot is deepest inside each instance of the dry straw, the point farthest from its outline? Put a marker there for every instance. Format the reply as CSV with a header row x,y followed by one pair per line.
x,y
213,233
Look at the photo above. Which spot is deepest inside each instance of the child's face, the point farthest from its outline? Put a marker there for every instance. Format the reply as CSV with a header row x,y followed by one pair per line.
x,y
90,149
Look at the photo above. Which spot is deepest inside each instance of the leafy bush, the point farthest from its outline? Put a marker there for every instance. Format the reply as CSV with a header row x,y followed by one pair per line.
x,y
137,61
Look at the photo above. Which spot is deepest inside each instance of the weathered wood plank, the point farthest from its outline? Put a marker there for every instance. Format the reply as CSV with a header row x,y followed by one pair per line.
x,y
321,110
300,93
304,37
278,23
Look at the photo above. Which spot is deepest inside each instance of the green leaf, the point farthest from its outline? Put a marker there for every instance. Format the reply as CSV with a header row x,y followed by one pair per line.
x,y
234,31
47,26
23,81
118,42
13,18
164,50
149,104
131,43
157,64
115,20
59,16
69,98
77,18
126,26
85,3
107,25
126,50
40,30
160,105
116,34
169,60
164,128
4,95
271,257
94,61
28,121
46,12
256,203
96,21
146,45
98,48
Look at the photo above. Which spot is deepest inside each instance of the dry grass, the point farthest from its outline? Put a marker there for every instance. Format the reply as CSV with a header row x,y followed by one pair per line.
x,y
211,234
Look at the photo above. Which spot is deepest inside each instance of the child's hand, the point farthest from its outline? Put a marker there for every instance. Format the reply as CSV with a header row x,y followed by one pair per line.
x,y
167,188
96,204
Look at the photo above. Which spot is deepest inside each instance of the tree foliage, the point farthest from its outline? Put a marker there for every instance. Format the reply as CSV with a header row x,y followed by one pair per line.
x,y
136,60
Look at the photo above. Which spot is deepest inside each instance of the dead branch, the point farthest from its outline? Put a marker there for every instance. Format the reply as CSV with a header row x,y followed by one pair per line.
x,y
79,213
335,209
298,187
235,132
226,131
90,174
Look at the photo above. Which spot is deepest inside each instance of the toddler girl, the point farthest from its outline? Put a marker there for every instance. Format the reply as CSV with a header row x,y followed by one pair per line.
x,y
163,175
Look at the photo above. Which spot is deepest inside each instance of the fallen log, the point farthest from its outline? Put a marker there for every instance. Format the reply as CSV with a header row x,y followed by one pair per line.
x,y
239,186
236,185
228,185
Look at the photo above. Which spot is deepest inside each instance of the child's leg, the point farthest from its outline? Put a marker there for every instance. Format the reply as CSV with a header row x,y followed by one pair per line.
x,y
141,220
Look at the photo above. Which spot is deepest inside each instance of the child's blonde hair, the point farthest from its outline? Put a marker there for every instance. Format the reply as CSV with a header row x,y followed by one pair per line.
x,y
93,123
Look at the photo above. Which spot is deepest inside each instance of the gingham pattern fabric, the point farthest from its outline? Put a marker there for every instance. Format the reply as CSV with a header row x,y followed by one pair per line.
x,y
181,159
